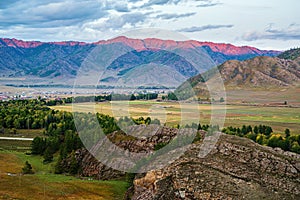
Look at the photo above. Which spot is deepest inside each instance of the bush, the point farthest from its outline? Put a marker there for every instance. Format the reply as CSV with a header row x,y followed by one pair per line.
x,y
48,156
27,169
159,146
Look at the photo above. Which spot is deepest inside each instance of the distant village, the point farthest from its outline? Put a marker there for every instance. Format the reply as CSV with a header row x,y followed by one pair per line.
x,y
56,94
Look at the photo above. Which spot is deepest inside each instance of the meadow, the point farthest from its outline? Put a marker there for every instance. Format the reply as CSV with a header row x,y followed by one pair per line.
x,y
46,185
279,118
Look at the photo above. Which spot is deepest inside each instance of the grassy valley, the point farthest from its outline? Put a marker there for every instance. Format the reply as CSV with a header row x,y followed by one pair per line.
x,y
45,184
279,118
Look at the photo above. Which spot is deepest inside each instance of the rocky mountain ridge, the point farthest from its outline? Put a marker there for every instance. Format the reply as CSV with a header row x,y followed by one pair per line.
x,y
153,43
59,62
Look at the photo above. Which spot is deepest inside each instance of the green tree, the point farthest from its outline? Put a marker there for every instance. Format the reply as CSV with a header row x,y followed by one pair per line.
x,y
251,136
27,169
268,130
295,147
261,139
132,97
17,123
255,130
275,141
238,131
58,166
261,129
38,146
199,127
148,120
287,133
74,166
48,155
244,130
172,96
249,129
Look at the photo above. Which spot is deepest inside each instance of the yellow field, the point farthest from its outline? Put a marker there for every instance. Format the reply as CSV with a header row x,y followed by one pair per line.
x,y
171,113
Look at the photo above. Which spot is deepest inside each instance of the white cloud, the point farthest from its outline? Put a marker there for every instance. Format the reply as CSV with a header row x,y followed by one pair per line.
x,y
292,32
50,13
89,20
173,15
203,28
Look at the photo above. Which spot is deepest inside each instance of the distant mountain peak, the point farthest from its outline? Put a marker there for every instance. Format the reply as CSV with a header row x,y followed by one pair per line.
x,y
149,43
19,43
60,61
32,44
225,48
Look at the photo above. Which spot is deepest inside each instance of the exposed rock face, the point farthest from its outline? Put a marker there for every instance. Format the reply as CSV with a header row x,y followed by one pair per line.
x,y
91,167
237,168
145,140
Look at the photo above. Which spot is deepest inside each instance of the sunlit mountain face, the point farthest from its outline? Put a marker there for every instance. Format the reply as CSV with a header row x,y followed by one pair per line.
x,y
120,60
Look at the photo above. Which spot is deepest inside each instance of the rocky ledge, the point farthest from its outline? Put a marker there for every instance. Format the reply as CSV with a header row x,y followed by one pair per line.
x,y
145,139
236,168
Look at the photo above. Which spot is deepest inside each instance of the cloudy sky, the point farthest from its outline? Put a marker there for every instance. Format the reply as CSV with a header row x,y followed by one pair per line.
x,y
266,24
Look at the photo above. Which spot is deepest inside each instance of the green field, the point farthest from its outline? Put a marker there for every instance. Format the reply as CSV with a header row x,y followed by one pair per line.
x,y
263,96
279,118
27,133
15,145
45,185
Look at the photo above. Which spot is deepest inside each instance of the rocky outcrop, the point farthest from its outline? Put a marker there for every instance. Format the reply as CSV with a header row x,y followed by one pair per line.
x,y
145,141
236,168
91,167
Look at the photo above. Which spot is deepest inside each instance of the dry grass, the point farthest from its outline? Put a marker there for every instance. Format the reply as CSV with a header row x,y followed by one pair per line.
x,y
27,133
15,145
279,118
263,96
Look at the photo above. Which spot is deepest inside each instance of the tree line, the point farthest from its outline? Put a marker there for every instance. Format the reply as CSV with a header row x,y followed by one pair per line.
x,y
264,135
60,131
101,98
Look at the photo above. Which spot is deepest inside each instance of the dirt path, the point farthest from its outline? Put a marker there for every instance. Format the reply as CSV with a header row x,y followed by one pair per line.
x,y
16,138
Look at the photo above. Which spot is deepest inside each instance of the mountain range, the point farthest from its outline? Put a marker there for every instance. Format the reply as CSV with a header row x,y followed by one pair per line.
x,y
121,60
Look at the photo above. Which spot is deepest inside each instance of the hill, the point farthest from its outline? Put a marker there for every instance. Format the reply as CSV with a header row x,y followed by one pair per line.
x,y
236,168
257,75
121,57
260,72
291,54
